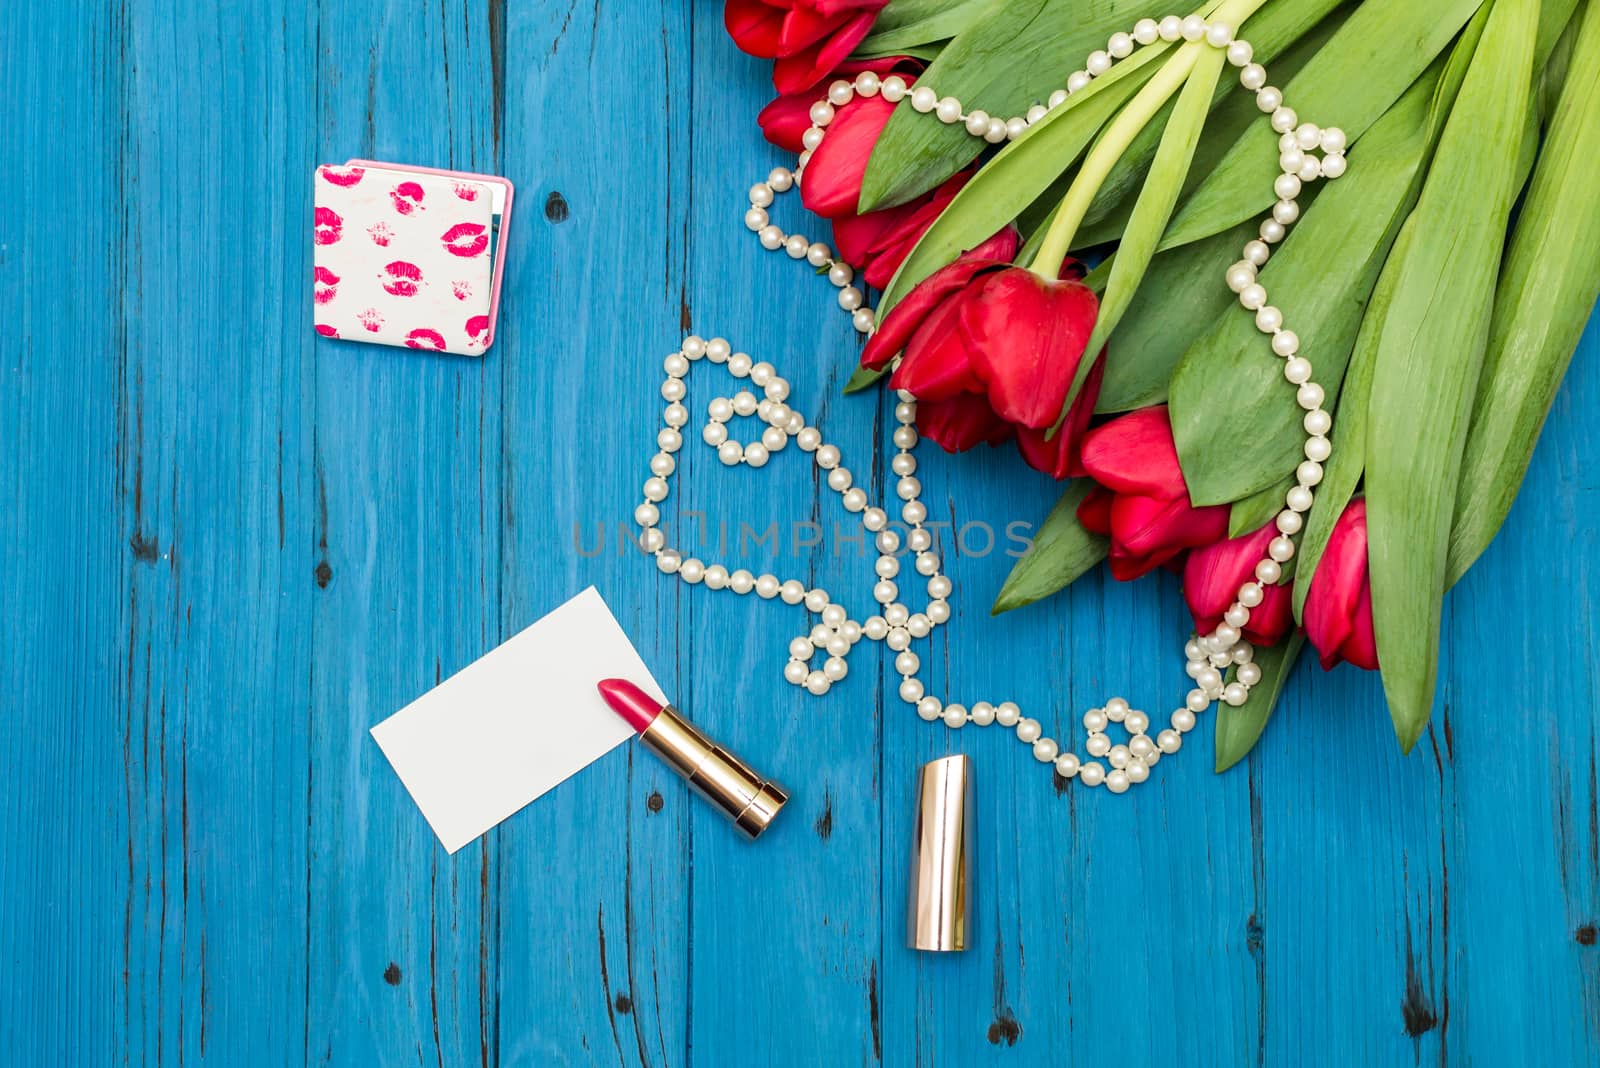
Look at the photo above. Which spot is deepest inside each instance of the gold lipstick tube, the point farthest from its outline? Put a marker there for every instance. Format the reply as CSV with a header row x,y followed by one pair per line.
x,y
742,795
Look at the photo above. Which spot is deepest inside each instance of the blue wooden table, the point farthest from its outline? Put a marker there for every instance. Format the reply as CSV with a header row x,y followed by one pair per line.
x,y
233,547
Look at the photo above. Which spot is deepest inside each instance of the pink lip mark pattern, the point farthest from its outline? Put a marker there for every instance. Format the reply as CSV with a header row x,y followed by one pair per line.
x,y
465,239
477,330
423,338
407,197
371,320
403,279
380,234
323,289
329,226
466,191
326,331
343,177
462,289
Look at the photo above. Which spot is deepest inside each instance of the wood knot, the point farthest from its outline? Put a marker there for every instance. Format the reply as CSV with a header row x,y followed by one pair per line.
x,y
391,974
555,207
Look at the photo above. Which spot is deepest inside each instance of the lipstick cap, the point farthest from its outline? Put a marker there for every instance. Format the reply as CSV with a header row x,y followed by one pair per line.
x,y
939,898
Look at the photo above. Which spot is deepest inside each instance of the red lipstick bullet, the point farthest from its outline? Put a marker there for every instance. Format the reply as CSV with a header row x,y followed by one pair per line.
x,y
750,800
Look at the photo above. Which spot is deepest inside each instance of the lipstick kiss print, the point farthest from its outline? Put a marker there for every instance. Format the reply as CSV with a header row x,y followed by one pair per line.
x,y
329,226
478,330
407,197
371,320
403,279
423,338
344,177
466,191
322,289
380,233
465,239
326,331
462,289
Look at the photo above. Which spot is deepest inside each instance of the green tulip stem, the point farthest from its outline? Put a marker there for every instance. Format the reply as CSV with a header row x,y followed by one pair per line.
x,y
1119,134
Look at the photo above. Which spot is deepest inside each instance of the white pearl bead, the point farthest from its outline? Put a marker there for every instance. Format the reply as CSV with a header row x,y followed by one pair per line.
x,y
1118,756
1251,594
1268,319
761,192
908,488
1298,499
669,440
914,512
1280,549
910,691
867,83
1145,31
1310,169
1271,231
771,237
1091,774
1268,99
692,570
1235,694
838,645
1269,572
840,274
1170,28
716,577
1317,421
662,464
655,489
1252,296
1136,722
817,683
893,88
646,515
741,581
1333,165
1140,746
1045,750
839,479
1014,128
977,122
948,110
730,452
864,320
1169,741
850,631
781,179
1219,35
1183,720
1296,369
1059,96
875,628
811,139
955,717
1309,396
1290,161
924,99
767,587
673,389
1197,700
1007,714
1285,212
792,592
1067,765
1117,781
797,246
907,663
1240,275
827,457
651,539
1252,76
1097,745
938,611
841,92
887,566
1318,448
795,671
1243,653
739,365
1120,45
850,298
1078,80
1028,730
774,439
1194,28
1284,119
1137,770
919,540
1208,679
1035,113
928,708
982,713
1240,53
1257,252
1098,63
1237,615
885,592
675,415
906,412
835,668
809,439
669,560
1249,674
1095,720
897,638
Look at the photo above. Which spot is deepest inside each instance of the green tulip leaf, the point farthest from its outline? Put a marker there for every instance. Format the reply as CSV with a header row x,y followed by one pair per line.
x,y
1229,387
1548,286
1257,510
1011,56
1430,352
1382,48
907,24
1238,729
1061,552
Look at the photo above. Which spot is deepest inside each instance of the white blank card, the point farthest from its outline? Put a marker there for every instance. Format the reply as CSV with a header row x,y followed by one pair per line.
x,y
511,725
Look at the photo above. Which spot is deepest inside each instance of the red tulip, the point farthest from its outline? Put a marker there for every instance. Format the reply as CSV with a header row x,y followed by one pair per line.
x,y
808,38
1142,502
989,351
1212,576
1338,609
878,242
832,183
785,120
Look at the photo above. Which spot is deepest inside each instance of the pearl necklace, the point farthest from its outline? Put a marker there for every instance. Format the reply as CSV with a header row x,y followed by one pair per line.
x,y
896,625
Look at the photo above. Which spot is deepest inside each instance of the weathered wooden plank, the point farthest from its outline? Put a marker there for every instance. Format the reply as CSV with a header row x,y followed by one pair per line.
x,y
594,926
66,841
405,467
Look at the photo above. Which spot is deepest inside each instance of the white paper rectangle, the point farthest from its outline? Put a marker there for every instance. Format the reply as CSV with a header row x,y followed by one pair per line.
x,y
511,725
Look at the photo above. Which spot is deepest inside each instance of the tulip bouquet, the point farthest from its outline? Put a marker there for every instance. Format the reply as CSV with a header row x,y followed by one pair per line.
x,y
1052,281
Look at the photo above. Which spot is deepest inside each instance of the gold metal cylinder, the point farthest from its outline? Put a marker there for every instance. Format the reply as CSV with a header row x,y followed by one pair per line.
x,y
939,897
736,789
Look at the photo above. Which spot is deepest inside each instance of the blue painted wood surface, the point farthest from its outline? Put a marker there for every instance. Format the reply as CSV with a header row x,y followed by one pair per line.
x,y
232,548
